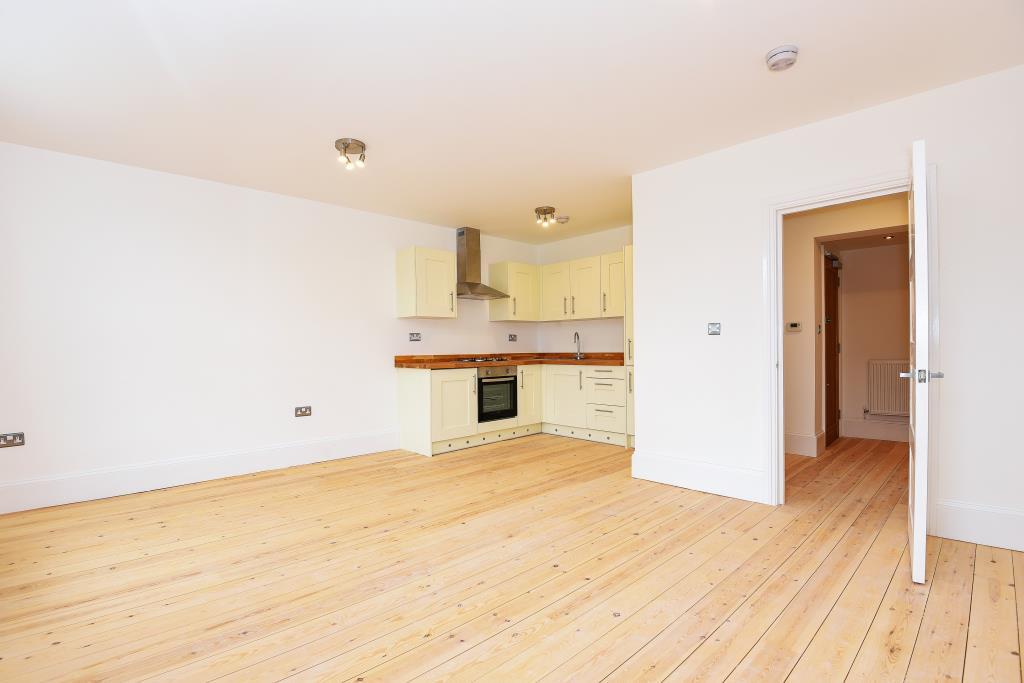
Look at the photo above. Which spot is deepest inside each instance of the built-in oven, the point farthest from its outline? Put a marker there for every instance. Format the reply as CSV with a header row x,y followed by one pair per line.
x,y
496,393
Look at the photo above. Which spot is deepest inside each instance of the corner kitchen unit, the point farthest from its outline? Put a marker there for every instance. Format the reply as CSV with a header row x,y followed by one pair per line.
x,y
451,402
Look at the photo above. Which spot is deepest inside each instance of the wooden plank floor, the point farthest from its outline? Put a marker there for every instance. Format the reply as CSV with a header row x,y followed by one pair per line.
x,y
535,559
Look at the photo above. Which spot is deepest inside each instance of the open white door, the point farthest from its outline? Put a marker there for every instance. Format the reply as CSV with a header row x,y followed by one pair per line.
x,y
919,375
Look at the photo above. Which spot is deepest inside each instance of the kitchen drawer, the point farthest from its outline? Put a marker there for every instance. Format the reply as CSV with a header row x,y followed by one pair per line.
x,y
606,418
609,392
605,371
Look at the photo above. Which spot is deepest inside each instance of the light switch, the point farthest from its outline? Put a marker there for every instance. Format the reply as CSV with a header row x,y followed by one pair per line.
x,y
714,328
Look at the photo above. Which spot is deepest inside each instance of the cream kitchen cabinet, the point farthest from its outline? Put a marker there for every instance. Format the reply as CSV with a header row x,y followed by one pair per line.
x,y
426,283
565,402
613,285
630,402
522,283
530,395
453,403
555,291
628,344
585,288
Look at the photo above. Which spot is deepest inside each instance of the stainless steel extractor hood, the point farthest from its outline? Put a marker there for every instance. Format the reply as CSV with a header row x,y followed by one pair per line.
x,y
467,267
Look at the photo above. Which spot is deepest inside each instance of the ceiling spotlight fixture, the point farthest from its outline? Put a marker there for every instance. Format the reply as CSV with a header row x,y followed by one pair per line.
x,y
781,58
545,215
351,146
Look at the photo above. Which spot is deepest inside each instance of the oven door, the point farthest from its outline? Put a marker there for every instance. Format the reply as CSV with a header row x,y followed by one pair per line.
x,y
496,398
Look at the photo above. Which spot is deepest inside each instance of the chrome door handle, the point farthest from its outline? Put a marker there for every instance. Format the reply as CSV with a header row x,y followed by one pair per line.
x,y
581,380
907,375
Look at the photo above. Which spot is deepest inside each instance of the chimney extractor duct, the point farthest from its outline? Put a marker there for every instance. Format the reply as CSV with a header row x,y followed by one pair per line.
x,y
467,268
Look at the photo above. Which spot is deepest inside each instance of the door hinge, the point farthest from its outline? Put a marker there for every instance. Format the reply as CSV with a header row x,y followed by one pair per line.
x,y
839,347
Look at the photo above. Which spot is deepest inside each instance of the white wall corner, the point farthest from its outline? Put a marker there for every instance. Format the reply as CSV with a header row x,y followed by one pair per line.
x,y
974,523
735,482
806,444
118,481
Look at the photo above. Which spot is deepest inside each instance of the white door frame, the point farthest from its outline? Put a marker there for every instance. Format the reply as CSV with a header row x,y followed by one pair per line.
x,y
854,191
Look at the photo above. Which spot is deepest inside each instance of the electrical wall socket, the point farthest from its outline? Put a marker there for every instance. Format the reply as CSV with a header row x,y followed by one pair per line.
x,y
513,337
415,336
303,411
12,439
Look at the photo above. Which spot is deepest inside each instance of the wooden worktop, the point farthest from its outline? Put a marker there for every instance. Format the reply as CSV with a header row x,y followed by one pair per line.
x,y
439,362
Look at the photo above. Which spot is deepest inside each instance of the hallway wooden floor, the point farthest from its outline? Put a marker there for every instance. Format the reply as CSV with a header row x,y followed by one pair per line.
x,y
525,560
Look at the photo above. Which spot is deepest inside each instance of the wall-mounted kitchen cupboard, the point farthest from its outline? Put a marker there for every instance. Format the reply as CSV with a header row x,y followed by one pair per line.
x,y
522,283
613,285
583,289
426,283
555,291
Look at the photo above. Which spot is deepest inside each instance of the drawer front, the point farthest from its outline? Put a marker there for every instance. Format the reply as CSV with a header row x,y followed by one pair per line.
x,y
605,372
606,418
609,392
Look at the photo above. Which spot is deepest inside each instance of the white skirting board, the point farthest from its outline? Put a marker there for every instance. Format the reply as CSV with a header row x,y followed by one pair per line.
x,y
735,482
118,481
875,429
973,523
806,444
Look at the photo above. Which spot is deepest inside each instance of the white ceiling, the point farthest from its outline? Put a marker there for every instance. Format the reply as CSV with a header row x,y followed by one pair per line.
x,y
474,112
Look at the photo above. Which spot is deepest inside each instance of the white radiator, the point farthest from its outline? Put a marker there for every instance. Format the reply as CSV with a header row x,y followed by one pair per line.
x,y
888,393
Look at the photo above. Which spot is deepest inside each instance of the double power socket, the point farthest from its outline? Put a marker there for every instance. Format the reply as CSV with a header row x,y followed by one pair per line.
x,y
12,439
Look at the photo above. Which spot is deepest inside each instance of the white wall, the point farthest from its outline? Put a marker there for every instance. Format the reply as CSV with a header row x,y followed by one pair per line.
x,y
803,351
595,335
701,238
164,327
159,329
874,322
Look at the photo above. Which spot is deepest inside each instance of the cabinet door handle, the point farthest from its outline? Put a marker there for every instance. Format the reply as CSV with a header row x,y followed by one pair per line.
x,y
631,381
573,305
581,380
474,382
604,301
600,370
603,384
451,301
522,379
629,345
513,305
601,410
565,310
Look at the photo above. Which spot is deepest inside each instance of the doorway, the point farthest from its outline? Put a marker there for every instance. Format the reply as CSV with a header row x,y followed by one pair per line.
x,y
831,265
845,313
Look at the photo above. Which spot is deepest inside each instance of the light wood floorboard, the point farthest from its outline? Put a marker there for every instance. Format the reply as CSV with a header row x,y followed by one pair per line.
x,y
534,559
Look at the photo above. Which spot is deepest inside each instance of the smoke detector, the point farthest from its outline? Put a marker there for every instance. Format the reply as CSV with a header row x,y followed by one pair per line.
x,y
781,58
